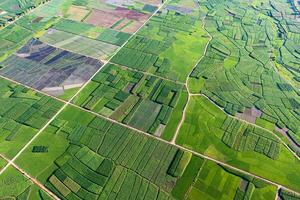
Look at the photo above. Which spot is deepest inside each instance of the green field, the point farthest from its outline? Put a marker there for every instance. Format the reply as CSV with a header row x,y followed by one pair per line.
x,y
90,156
251,63
142,101
16,186
202,131
160,46
99,150
196,100
22,114
213,182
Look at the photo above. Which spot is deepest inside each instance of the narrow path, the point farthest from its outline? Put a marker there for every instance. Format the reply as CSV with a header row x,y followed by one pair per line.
x,y
277,193
187,87
33,180
66,103
173,141
147,73
183,148
69,102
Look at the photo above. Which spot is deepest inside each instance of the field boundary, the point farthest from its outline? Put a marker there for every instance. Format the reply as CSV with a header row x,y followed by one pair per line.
x,y
137,131
173,141
234,117
200,94
66,103
69,102
33,180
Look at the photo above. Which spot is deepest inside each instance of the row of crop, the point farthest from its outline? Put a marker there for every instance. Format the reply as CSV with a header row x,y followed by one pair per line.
x,y
128,97
82,177
242,137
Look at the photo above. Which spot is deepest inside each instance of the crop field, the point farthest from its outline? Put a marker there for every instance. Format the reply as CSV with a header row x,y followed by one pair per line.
x,y
149,99
285,195
10,37
216,182
15,35
142,101
78,44
98,158
251,63
83,23
12,9
109,36
91,158
23,112
208,130
160,46
49,69
126,16
16,186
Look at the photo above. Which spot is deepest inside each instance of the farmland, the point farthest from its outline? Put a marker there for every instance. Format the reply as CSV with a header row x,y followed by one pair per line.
x,y
216,182
49,69
12,9
208,130
250,63
128,96
90,156
16,186
160,46
149,99
104,158
22,114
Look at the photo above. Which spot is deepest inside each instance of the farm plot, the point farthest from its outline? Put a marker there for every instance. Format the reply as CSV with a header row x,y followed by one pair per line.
x,y
12,9
2,163
126,16
78,44
12,37
208,130
121,19
15,35
22,113
139,100
16,186
248,64
89,157
35,23
105,35
215,182
49,69
161,46
118,15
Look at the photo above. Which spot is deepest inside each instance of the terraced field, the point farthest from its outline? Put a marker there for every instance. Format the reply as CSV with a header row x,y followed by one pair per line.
x,y
149,99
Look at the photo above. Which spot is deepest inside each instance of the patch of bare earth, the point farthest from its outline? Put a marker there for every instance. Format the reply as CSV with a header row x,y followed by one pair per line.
x,y
249,115
129,20
77,13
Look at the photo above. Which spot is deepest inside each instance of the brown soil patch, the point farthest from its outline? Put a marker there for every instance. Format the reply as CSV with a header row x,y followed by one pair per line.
x,y
77,13
103,18
107,18
133,27
250,115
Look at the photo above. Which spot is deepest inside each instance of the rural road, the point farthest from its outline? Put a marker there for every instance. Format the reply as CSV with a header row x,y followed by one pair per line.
x,y
69,102
33,180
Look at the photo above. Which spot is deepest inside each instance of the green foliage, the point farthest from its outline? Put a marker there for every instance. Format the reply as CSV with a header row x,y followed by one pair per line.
x,y
142,101
179,163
